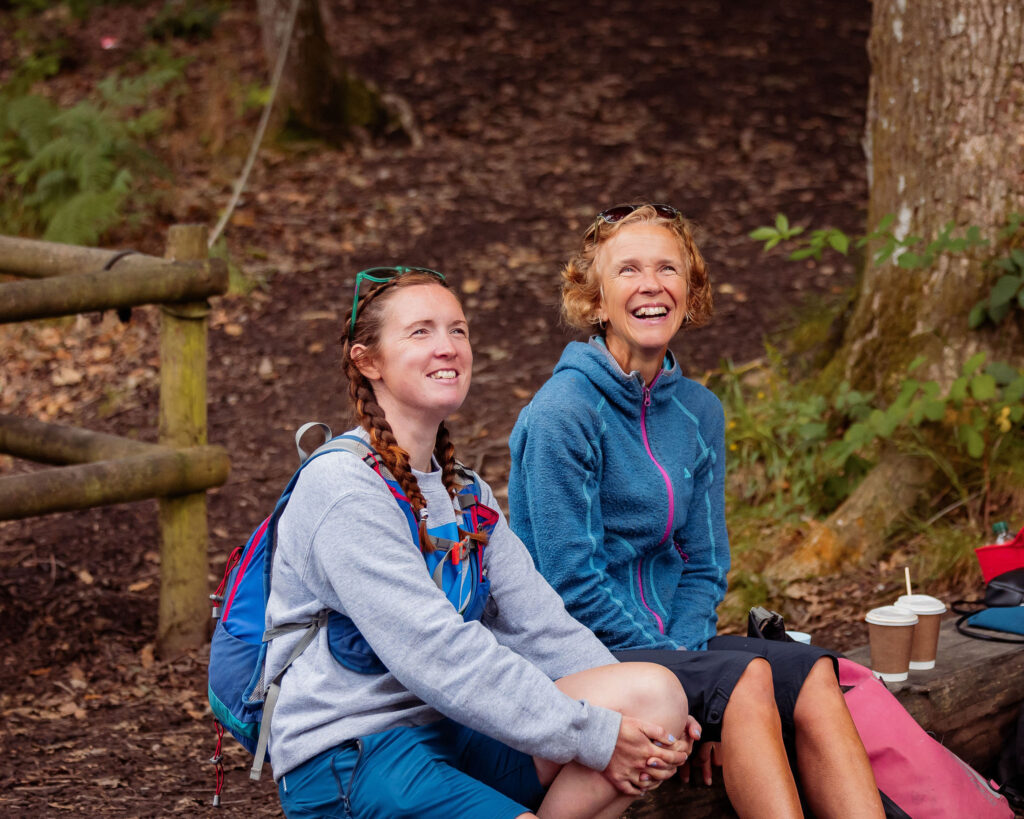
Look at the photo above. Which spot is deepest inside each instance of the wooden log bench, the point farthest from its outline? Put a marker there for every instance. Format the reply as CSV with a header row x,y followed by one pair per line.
x,y
970,702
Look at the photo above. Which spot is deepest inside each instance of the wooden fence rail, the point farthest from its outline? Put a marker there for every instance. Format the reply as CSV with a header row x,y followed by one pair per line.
x,y
96,468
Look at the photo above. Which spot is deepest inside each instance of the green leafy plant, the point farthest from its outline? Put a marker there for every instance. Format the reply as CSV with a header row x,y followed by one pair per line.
x,y
188,19
1007,292
974,414
815,243
67,174
802,453
913,252
777,433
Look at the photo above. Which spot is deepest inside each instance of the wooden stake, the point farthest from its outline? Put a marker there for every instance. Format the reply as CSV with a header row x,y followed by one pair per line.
x,y
184,615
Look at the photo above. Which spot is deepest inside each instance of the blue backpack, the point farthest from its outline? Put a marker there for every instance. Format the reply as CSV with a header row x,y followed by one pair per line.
x,y
241,698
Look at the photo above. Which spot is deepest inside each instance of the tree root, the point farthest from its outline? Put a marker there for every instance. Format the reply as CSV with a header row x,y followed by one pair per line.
x,y
855,533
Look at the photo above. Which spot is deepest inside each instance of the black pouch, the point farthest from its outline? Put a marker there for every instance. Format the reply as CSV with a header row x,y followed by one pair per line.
x,y
1006,589
766,624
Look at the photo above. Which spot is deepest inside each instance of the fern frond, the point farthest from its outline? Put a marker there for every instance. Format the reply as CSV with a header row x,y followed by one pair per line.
x,y
83,218
28,119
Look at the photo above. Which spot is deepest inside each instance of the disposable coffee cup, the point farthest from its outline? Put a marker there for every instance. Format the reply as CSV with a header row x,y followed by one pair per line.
x,y
891,635
929,611
800,637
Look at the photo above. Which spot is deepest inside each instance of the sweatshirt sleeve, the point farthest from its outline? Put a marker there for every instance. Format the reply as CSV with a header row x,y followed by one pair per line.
x,y
528,616
704,539
361,561
555,504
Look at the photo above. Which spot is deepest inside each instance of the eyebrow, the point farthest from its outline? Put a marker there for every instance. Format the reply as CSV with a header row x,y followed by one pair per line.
x,y
634,261
433,322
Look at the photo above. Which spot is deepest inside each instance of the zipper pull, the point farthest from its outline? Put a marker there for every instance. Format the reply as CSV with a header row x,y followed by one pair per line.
x,y
647,396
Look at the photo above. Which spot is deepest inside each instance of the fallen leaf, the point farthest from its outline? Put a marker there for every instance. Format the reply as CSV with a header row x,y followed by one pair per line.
x,y
66,377
266,369
139,585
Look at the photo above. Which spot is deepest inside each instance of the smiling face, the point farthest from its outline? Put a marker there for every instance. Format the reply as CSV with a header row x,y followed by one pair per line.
x,y
420,369
643,295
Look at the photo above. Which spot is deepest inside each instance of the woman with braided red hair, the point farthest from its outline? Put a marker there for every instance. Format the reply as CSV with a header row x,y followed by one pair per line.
x,y
506,708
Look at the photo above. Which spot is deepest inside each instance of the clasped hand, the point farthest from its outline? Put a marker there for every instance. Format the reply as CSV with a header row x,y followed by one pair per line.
x,y
646,755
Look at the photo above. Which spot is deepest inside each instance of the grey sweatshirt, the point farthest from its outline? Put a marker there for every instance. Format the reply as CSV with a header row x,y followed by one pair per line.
x,y
344,544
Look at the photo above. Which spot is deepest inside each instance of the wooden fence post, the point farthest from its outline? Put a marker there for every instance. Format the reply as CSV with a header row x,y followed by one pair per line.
x,y
184,614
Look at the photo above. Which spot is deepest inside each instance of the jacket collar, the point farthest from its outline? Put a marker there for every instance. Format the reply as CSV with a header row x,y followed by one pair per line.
x,y
624,390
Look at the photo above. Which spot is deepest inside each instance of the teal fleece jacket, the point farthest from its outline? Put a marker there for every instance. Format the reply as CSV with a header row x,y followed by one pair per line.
x,y
617,489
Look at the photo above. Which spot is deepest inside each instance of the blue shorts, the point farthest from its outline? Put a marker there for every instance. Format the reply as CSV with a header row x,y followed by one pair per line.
x,y
438,770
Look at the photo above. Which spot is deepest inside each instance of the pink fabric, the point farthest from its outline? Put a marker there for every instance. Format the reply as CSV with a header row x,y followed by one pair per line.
x,y
923,777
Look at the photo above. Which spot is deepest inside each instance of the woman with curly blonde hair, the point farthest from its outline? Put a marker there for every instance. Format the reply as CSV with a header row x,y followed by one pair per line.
x,y
617,488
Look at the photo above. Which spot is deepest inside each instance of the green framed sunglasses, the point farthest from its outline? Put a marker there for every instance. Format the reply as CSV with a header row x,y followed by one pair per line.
x,y
381,275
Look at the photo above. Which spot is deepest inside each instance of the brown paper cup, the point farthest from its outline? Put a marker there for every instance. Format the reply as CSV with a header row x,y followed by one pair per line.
x,y
929,611
891,634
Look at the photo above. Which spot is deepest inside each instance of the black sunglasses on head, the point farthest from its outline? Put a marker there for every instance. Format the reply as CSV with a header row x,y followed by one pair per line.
x,y
620,212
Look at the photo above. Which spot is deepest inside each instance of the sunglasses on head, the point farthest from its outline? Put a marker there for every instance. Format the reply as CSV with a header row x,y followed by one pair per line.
x,y
620,212
381,275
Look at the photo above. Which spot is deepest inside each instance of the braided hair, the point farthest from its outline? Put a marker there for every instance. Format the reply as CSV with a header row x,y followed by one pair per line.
x,y
370,415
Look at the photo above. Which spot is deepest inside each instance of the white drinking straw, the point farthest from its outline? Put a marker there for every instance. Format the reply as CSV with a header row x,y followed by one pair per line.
x,y
906,571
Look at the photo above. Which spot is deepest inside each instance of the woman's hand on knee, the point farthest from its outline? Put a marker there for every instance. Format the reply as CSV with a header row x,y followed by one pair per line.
x,y
639,745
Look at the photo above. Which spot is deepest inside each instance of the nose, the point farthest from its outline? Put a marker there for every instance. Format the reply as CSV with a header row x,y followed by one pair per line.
x,y
649,281
445,347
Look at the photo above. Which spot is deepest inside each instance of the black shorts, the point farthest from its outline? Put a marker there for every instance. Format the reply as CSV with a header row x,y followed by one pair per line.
x,y
708,677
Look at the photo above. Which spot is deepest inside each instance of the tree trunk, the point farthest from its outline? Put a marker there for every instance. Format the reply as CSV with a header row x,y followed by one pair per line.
x,y
320,93
944,143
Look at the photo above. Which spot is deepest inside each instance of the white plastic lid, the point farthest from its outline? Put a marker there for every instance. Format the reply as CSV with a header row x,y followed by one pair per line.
x,y
920,603
891,616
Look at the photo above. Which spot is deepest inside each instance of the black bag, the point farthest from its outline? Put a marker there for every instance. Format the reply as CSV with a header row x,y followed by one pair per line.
x,y
1002,610
768,625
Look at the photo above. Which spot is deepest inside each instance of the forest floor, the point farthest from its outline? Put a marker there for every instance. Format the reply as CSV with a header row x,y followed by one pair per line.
x,y
533,117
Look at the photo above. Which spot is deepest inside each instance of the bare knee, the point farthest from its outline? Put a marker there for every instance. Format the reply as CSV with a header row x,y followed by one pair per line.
x,y
645,691
755,687
819,693
653,692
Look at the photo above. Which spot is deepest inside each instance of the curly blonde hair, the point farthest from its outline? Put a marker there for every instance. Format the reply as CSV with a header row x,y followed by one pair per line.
x,y
581,287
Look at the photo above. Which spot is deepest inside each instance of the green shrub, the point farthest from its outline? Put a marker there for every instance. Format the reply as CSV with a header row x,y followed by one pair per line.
x,y
67,174
187,19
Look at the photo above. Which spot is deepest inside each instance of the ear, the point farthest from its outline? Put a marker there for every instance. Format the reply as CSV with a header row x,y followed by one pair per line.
x,y
364,362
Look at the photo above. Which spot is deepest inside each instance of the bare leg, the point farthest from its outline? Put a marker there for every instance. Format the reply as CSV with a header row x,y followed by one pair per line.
x,y
834,766
758,779
640,690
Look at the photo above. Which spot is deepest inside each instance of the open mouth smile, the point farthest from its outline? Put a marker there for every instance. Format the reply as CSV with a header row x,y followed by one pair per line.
x,y
443,375
650,311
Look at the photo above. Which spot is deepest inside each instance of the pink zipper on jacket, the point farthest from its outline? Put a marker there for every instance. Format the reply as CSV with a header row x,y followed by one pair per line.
x,y
671,498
